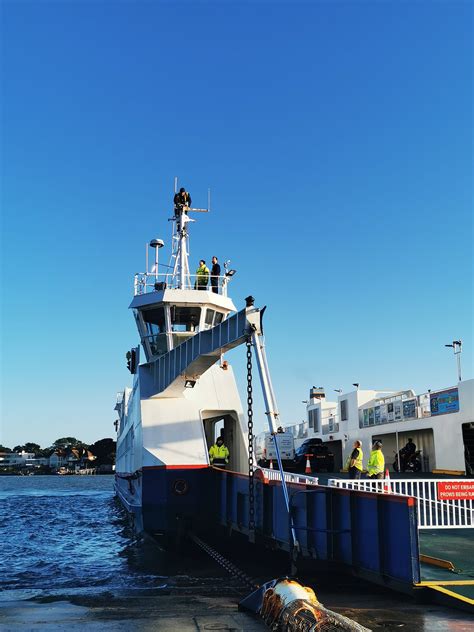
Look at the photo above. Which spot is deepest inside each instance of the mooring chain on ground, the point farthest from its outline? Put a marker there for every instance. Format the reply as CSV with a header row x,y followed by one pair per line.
x,y
225,563
250,435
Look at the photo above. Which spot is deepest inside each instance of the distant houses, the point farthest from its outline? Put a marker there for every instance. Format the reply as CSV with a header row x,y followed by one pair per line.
x,y
70,459
21,459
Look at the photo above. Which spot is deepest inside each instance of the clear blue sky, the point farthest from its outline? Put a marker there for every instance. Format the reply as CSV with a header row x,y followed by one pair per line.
x,y
337,139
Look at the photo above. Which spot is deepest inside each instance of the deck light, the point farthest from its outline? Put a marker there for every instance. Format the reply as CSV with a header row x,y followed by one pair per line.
x,y
230,273
249,301
189,383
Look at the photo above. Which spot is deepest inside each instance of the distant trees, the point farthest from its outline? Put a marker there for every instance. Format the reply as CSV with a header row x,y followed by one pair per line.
x,y
104,450
69,442
34,448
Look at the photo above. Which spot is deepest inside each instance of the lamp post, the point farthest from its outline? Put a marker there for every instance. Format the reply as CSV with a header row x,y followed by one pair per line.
x,y
456,346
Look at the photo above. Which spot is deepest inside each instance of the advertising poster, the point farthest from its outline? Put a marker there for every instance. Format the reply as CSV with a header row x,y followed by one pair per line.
x,y
377,415
398,411
383,414
444,402
390,413
366,417
371,417
409,409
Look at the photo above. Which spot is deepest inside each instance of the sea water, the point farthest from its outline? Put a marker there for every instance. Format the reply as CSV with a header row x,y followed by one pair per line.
x,y
63,534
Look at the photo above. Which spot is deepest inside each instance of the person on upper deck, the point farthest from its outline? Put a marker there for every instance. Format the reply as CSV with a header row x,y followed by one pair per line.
x,y
202,276
182,201
215,274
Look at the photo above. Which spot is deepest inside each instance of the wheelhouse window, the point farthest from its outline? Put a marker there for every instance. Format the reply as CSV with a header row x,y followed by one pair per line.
x,y
154,320
210,317
185,319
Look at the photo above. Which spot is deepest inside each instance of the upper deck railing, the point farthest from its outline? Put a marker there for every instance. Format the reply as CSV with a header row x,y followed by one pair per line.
x,y
146,282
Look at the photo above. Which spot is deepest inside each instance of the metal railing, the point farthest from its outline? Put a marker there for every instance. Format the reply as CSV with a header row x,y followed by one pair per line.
x,y
145,282
441,503
290,477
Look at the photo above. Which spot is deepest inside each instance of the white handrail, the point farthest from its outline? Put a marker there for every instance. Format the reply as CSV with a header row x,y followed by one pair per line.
x,y
290,477
441,503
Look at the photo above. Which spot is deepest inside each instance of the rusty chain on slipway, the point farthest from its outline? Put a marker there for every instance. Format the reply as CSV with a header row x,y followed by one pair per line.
x,y
250,436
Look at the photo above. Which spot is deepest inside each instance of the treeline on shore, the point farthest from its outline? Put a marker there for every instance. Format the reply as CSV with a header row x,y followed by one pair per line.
x,y
65,455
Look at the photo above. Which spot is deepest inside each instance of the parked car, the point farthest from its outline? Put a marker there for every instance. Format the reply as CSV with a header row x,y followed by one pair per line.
x,y
321,458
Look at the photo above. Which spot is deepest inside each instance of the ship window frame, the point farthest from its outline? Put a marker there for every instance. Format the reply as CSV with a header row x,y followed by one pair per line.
x,y
344,409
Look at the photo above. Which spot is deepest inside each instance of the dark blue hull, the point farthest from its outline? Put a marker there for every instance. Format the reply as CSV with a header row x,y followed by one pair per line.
x,y
166,500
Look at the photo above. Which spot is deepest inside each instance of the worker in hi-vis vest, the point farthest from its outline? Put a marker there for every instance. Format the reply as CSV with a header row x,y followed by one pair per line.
x,y
376,464
219,454
355,460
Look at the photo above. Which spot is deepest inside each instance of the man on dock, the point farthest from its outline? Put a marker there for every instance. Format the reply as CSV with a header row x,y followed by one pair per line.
x,y
355,461
376,464
219,454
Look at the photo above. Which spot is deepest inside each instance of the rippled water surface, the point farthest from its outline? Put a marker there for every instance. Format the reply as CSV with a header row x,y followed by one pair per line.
x,y
69,532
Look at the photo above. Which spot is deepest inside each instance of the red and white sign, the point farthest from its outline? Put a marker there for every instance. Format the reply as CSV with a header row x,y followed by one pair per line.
x,y
462,490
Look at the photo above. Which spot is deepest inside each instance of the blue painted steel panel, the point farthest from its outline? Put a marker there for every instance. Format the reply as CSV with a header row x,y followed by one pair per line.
x,y
373,534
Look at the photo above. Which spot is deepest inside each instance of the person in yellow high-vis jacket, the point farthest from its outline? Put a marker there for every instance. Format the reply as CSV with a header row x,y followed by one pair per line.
x,y
355,461
219,454
376,463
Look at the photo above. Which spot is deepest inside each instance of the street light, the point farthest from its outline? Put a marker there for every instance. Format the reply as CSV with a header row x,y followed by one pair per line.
x,y
456,346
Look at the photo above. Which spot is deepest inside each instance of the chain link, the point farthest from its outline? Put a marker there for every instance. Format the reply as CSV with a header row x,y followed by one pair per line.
x,y
250,436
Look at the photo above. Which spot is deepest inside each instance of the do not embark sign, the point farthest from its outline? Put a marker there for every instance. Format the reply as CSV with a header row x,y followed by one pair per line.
x,y
462,490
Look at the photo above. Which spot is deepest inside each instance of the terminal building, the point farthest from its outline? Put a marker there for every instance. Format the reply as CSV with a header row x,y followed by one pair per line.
x,y
441,424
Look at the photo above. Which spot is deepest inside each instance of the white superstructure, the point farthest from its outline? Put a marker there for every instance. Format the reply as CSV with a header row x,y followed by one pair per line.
x,y
172,422
441,423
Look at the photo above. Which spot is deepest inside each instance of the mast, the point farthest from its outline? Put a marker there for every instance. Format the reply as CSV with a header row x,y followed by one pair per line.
x,y
180,245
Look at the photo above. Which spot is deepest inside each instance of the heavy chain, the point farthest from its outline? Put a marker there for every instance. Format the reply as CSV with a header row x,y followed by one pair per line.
x,y
250,436
225,563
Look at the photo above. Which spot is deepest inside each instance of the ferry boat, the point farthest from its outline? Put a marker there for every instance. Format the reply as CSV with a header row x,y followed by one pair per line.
x,y
184,396
184,393
439,422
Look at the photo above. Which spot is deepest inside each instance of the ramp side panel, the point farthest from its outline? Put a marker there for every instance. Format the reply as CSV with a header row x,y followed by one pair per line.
x,y
373,535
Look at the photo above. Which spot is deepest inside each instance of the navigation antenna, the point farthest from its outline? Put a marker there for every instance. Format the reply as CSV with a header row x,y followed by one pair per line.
x,y
179,261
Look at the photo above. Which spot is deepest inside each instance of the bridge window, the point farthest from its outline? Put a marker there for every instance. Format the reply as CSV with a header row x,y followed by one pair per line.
x,y
154,320
185,318
210,317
